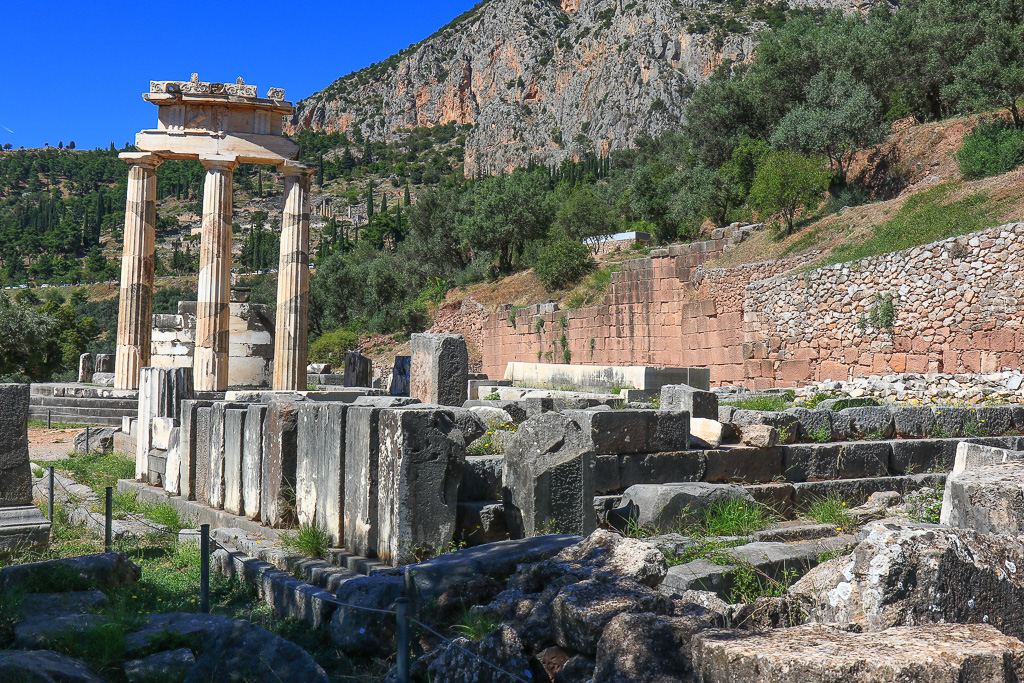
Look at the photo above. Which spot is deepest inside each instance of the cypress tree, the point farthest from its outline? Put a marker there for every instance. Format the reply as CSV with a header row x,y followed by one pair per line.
x,y
320,171
384,203
369,200
407,197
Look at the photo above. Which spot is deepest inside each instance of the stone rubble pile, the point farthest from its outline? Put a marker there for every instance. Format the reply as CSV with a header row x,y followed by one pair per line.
x,y
997,387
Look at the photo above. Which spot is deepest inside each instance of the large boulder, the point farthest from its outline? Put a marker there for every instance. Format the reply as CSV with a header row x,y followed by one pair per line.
x,y
548,478
652,648
101,440
242,652
171,666
41,666
702,404
357,632
920,574
464,660
103,570
663,505
581,611
822,654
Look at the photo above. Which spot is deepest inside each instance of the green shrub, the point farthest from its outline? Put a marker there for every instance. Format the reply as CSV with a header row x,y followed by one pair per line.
x,y
993,147
563,263
767,403
311,540
330,347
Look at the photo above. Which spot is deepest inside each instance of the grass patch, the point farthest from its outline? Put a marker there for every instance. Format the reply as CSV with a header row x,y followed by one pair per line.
x,y
830,510
750,583
925,217
311,540
772,404
476,624
734,517
591,291
57,425
96,470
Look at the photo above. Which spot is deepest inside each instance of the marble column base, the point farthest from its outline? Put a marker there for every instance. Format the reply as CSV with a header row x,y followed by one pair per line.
x,y
23,527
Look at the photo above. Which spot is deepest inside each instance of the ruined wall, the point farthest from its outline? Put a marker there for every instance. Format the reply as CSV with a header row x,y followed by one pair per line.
x,y
957,307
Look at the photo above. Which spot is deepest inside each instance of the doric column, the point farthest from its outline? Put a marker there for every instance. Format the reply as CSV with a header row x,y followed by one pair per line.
x,y
210,362
293,282
135,312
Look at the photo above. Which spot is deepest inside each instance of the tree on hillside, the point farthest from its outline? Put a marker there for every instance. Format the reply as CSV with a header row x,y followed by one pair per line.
x,y
369,200
840,116
586,218
506,212
430,225
787,182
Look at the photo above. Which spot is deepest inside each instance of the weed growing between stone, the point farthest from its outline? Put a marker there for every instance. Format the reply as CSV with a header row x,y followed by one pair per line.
x,y
925,505
773,404
490,443
830,510
475,624
749,583
734,517
711,549
311,540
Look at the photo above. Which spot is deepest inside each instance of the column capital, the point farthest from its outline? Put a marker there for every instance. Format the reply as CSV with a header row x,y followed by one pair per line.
x,y
141,158
211,161
296,168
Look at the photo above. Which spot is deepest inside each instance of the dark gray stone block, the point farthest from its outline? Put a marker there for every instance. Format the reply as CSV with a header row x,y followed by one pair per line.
x,y
694,401
234,445
548,483
743,464
422,456
661,468
481,522
277,482
362,444
913,421
633,431
400,376
15,470
358,370
843,460
481,479
439,369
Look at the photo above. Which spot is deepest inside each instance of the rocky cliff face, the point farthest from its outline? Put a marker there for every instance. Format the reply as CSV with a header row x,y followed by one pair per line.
x,y
548,80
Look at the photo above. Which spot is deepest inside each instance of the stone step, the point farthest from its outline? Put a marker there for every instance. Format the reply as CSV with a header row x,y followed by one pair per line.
x,y
71,410
77,402
76,418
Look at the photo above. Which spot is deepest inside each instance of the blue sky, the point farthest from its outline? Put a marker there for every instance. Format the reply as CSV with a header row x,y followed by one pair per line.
x,y
77,70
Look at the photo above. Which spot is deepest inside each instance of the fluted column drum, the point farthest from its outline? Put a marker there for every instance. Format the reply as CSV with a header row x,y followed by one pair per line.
x,y
135,310
291,334
210,362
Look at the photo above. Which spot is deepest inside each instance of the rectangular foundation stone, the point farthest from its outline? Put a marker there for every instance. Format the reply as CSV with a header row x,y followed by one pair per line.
x,y
188,445
422,455
252,461
698,403
320,467
15,471
234,444
634,431
362,456
203,421
439,369
280,433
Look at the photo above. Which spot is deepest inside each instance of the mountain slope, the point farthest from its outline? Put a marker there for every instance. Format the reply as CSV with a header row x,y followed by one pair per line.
x,y
550,81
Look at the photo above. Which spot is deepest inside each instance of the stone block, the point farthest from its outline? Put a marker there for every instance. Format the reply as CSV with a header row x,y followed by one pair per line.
x,y
422,456
234,445
821,424
320,467
252,461
86,368
318,368
15,470
986,498
787,425
708,433
913,421
633,431
362,457
548,481
664,467
188,446
439,369
217,471
743,464
161,432
826,653
758,436
857,491
481,478
358,370
481,522
22,527
277,481
843,460
400,376
702,404
872,422
105,362
204,439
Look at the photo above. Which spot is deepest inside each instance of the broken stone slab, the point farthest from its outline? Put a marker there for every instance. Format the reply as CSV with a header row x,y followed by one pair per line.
x,y
986,499
492,417
171,666
181,625
514,409
660,506
698,403
357,632
86,572
422,456
234,446
232,649
581,611
548,480
43,665
651,647
827,654
320,467
439,369
844,460
467,660
870,421
252,461
480,522
280,454
101,440
758,436
921,573
469,423
36,634
708,433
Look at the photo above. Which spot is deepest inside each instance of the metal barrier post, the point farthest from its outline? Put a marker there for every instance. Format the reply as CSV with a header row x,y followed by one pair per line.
x,y
402,632
50,504
204,568
87,440
108,536
49,412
